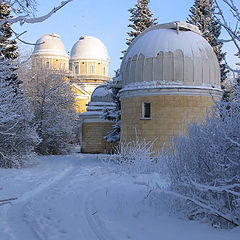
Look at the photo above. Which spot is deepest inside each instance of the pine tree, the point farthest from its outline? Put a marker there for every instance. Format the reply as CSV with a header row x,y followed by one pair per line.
x,y
8,47
141,18
201,15
18,136
115,113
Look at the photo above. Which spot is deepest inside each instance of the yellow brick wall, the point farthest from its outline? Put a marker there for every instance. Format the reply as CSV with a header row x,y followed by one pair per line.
x,y
93,137
167,113
80,105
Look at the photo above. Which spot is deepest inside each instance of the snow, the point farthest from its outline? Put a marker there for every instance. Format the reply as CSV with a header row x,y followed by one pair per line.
x,y
89,47
78,197
152,42
164,84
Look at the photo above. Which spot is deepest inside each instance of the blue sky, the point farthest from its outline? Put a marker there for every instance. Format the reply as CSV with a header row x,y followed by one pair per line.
x,y
104,19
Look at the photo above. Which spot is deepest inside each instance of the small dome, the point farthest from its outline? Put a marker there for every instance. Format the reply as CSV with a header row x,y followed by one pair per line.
x,y
168,54
101,94
50,44
89,48
100,99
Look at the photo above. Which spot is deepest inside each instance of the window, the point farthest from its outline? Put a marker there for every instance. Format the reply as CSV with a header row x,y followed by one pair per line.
x,y
91,69
76,69
70,66
47,64
146,110
104,71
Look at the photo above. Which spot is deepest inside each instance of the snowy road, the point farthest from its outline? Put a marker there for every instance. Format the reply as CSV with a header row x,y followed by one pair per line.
x,y
76,198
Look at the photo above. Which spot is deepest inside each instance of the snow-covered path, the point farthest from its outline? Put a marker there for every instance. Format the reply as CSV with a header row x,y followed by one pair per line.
x,y
76,198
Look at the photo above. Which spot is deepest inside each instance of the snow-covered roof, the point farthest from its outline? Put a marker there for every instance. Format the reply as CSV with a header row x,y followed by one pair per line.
x,y
101,94
171,52
89,48
50,44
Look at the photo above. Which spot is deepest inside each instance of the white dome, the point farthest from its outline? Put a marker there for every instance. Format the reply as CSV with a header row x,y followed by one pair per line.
x,y
173,53
89,48
101,94
50,44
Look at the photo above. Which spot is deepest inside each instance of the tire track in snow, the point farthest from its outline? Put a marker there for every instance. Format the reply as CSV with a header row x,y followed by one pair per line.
x,y
95,223
18,205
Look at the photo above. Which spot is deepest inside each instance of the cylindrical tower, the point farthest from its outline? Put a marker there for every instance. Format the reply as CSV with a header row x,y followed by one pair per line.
x,y
169,72
88,68
49,53
93,127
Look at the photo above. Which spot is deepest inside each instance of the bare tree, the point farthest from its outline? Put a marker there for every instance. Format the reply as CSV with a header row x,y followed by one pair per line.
x,y
233,31
52,102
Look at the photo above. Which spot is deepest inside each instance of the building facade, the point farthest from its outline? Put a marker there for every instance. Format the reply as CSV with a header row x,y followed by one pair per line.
x,y
86,68
94,127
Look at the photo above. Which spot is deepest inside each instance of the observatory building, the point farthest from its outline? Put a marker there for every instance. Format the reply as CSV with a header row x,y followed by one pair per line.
x,y
169,72
86,68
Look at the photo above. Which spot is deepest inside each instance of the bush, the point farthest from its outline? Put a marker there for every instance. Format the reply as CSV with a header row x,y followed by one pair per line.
x,y
204,166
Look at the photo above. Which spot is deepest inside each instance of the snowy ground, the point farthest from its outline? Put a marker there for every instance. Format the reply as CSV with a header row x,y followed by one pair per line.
x,y
76,198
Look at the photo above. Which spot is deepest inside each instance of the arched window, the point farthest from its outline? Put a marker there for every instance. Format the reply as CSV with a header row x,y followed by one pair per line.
x,y
47,65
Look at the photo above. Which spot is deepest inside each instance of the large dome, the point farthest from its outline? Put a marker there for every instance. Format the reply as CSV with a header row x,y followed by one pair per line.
x,y
50,44
89,48
170,54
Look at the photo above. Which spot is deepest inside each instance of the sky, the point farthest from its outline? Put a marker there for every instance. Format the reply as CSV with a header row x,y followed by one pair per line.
x,y
105,19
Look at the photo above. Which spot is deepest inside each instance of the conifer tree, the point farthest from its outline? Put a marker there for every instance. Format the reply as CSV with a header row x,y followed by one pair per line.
x,y
141,18
201,15
8,47
18,135
114,114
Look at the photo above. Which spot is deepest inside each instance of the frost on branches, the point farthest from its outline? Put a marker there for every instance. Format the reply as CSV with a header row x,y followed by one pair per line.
x,y
204,166
17,135
52,102
141,18
202,15
230,25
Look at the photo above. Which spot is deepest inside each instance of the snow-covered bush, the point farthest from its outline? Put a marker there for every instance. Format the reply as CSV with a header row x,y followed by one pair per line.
x,y
204,166
17,134
135,157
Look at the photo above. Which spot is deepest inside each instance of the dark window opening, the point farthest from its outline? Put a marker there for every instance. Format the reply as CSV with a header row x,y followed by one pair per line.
x,y
147,110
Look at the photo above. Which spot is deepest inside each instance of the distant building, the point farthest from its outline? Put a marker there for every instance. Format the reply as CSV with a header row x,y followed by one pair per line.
x,y
86,68
93,127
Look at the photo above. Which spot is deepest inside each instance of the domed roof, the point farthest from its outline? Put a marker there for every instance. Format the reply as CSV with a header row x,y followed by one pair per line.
x,y
168,54
101,94
100,99
50,44
89,48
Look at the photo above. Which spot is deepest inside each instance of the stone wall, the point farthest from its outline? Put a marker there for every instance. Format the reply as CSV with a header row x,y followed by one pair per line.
x,y
167,114
93,134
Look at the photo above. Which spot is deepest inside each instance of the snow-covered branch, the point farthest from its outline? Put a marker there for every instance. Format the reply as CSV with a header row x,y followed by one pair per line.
x,y
25,19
